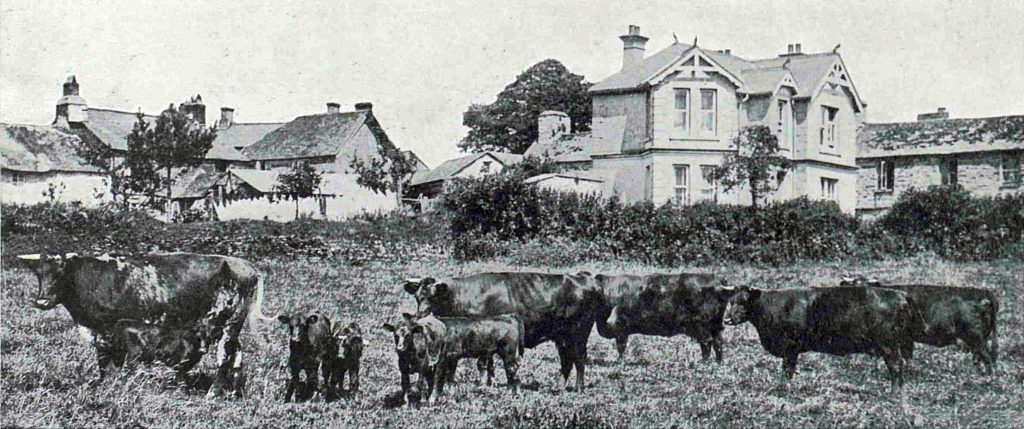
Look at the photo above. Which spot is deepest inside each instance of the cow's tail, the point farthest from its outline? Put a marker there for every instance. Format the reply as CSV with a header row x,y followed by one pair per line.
x,y
522,336
256,317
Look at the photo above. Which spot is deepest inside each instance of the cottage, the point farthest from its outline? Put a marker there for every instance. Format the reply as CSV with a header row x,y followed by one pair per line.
x,y
983,156
681,107
40,162
431,183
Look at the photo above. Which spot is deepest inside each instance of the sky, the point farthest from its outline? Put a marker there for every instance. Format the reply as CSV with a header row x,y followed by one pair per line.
x,y
422,63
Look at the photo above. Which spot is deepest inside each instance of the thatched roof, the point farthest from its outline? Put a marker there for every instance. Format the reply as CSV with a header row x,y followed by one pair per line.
x,y
40,149
941,137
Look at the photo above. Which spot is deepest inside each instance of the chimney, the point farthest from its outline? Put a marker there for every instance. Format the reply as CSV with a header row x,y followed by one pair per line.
x,y
71,107
797,49
632,47
195,109
227,117
792,49
333,108
551,124
939,115
364,106
789,49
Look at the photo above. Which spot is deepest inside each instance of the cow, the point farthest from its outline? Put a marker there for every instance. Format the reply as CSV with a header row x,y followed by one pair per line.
x,y
345,351
553,307
950,314
457,338
215,293
309,343
179,348
413,357
664,305
837,321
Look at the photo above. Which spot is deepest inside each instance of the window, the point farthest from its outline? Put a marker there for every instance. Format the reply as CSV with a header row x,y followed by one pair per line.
x,y
828,188
708,113
1009,170
948,169
486,168
886,173
829,132
709,187
785,125
681,186
17,178
682,113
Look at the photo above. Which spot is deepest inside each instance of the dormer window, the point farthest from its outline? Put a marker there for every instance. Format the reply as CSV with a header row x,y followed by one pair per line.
x,y
828,134
709,111
682,110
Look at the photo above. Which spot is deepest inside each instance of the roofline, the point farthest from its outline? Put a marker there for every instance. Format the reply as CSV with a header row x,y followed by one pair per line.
x,y
944,120
644,87
52,170
926,152
120,111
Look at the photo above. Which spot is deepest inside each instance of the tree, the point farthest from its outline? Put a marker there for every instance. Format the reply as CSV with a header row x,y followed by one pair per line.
x,y
391,171
509,124
302,181
175,141
755,164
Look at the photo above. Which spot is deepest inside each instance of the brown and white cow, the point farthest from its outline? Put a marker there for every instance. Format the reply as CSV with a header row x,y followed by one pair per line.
x,y
214,293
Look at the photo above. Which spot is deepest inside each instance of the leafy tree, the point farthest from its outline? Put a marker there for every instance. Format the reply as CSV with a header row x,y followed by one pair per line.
x,y
302,181
509,124
391,171
175,141
755,164
130,174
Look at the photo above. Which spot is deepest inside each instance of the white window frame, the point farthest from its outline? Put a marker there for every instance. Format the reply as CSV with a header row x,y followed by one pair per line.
x,y
1009,174
709,186
682,125
785,111
828,188
828,134
710,113
886,179
681,189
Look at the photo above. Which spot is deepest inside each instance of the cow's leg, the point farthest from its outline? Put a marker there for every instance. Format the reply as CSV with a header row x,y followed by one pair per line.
x,y
620,346
312,382
293,382
789,366
227,348
566,356
716,344
353,377
439,379
511,362
894,362
406,386
580,355
982,358
705,349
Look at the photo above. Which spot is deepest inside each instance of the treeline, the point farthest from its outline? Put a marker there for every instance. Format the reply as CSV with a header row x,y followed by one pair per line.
x,y
499,215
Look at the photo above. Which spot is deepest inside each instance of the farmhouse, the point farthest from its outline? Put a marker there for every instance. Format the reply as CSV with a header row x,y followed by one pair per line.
x,y
983,156
40,162
680,107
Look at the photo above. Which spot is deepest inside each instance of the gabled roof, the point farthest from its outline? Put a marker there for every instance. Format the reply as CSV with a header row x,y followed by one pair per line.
x,y
809,69
605,136
238,135
452,167
195,182
634,77
40,149
113,126
309,136
418,163
763,81
941,137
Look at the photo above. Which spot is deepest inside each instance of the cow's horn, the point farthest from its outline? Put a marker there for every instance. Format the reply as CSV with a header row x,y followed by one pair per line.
x,y
70,255
729,288
848,279
32,257
413,280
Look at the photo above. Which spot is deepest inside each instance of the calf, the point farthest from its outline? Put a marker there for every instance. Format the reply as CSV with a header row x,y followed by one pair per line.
x,y
345,351
950,314
413,357
309,340
836,321
477,337
140,342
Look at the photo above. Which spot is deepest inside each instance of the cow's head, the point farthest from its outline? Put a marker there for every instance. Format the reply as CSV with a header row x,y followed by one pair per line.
x,y
432,296
350,340
406,334
739,305
299,327
53,284
712,302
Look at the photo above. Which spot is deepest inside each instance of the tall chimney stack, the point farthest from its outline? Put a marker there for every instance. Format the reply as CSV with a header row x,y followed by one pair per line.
x,y
195,109
227,117
364,106
632,47
71,107
333,108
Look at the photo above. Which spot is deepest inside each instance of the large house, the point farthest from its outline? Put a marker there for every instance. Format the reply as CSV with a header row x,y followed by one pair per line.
x,y
678,110
983,156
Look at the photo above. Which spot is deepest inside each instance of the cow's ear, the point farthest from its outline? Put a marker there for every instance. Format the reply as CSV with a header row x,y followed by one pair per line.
x,y
284,319
312,319
410,318
427,281
418,329
389,327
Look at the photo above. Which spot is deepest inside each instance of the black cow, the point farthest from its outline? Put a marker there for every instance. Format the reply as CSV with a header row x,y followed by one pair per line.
x,y
553,307
664,305
949,314
309,343
345,351
457,338
180,349
413,356
215,293
836,321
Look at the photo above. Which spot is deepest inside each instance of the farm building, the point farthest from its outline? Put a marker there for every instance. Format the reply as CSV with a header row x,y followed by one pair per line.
x,y
431,183
252,194
38,158
983,156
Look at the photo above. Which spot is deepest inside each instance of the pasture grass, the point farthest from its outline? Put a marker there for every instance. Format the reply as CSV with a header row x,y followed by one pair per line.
x,y
46,368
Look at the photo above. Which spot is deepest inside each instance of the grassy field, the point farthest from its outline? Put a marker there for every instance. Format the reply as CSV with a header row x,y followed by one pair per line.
x,y
45,366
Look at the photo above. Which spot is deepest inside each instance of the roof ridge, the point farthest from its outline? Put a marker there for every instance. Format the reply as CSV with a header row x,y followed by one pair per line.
x,y
801,55
257,123
19,124
946,120
120,111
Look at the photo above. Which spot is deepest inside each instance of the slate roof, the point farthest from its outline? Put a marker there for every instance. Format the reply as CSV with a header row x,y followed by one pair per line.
x,y
40,149
195,182
807,69
239,135
605,136
941,137
451,167
309,136
761,81
113,126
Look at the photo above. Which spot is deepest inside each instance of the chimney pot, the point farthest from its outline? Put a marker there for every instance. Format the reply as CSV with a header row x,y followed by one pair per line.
x,y
797,48
366,105
634,30
333,108
789,48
